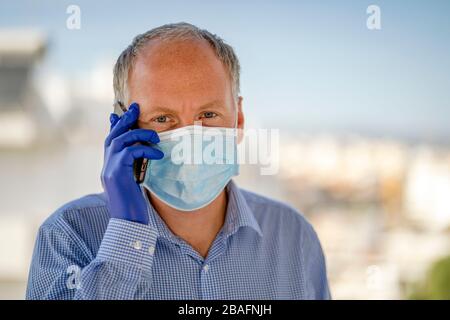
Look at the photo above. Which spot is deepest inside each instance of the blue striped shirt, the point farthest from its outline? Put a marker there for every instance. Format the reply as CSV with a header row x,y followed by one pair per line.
x,y
264,250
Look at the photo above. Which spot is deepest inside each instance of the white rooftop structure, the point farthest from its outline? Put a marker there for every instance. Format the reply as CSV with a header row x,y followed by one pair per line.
x,y
20,105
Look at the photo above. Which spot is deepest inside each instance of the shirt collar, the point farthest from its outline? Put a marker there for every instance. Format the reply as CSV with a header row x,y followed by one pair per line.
x,y
238,215
156,222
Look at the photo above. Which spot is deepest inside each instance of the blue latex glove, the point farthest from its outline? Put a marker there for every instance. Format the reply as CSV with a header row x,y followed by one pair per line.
x,y
125,198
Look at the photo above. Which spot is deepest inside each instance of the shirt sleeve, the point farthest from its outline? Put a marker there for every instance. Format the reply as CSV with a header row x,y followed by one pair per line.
x,y
62,269
315,266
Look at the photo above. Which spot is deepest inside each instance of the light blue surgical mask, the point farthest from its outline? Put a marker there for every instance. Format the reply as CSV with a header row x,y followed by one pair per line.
x,y
198,163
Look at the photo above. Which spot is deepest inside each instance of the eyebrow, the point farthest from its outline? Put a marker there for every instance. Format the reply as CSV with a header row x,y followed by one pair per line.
x,y
215,103
158,109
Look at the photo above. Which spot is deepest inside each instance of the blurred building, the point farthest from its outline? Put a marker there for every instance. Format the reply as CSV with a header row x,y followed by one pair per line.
x,y
381,208
23,116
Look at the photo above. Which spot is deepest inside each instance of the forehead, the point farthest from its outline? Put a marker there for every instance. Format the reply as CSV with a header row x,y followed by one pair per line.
x,y
177,68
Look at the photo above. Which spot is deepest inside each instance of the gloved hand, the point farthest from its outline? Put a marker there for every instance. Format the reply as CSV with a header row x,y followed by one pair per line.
x,y
126,200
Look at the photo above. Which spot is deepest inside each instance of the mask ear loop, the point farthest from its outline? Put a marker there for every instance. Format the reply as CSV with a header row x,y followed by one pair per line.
x,y
236,135
236,117
236,130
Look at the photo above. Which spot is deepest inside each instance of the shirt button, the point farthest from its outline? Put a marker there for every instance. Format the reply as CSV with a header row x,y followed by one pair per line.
x,y
137,245
151,250
206,267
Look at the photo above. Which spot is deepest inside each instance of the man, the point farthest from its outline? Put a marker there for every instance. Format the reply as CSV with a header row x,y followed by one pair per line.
x,y
153,240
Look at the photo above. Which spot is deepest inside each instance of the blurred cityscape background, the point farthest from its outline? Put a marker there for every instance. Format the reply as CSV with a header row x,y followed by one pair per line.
x,y
364,120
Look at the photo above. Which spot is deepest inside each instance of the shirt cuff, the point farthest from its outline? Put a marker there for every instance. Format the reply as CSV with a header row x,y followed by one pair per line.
x,y
128,242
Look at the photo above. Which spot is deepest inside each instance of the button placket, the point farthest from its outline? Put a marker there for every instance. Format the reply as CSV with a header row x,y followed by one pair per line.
x,y
205,281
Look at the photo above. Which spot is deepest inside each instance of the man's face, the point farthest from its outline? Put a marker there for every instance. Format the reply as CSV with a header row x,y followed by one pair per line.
x,y
179,82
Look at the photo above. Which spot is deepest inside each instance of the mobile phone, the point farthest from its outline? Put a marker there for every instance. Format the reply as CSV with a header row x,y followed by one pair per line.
x,y
140,165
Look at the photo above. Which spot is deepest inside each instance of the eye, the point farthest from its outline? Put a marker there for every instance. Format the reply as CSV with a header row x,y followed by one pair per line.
x,y
161,119
209,114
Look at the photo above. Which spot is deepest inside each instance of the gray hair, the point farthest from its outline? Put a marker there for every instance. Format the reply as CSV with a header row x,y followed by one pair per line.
x,y
181,30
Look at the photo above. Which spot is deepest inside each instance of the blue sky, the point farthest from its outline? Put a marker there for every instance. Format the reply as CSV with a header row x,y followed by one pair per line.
x,y
307,65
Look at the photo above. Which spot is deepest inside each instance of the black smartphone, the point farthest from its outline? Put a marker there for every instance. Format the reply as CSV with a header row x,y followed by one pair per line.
x,y
140,165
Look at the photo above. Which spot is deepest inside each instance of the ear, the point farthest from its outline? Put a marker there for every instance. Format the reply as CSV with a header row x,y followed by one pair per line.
x,y
240,120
